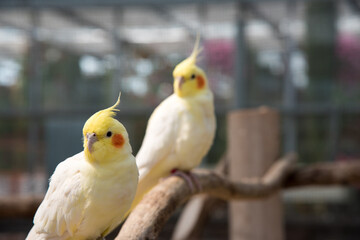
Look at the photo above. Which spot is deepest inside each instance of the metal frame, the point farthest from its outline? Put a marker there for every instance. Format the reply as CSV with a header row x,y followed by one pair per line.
x,y
112,3
290,108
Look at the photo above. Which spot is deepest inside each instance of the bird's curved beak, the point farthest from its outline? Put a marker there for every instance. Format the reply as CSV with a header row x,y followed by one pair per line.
x,y
180,81
91,139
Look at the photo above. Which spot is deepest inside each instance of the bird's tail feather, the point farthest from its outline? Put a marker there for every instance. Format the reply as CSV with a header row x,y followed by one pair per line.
x,y
145,184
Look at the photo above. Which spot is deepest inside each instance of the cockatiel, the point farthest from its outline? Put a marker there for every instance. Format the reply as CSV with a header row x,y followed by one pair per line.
x,y
181,129
90,192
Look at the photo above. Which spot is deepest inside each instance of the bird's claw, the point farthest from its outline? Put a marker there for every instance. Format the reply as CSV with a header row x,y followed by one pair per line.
x,y
190,179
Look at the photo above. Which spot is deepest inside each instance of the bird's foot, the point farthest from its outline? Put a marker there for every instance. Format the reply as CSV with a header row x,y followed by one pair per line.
x,y
196,181
190,179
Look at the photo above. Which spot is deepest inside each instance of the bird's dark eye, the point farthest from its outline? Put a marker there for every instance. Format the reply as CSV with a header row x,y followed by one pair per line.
x,y
193,76
108,134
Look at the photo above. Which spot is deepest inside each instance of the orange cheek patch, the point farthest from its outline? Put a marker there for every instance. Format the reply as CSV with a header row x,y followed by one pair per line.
x,y
200,82
118,140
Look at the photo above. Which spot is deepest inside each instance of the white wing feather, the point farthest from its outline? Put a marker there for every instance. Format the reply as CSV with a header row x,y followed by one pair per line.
x,y
161,134
62,209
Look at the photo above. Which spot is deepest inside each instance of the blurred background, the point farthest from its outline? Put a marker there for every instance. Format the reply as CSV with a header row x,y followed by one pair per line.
x,y
61,61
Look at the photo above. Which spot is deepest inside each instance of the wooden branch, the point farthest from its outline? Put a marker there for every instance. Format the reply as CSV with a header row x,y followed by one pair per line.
x,y
329,173
195,215
148,218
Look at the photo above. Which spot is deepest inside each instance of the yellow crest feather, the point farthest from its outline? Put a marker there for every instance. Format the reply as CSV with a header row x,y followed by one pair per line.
x,y
196,50
111,110
103,117
190,61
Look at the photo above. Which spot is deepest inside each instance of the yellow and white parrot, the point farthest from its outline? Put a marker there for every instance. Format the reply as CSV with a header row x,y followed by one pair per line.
x,y
181,129
90,192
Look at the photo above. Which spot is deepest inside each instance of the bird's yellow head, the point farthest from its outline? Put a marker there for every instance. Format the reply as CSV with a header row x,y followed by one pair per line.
x,y
105,138
189,79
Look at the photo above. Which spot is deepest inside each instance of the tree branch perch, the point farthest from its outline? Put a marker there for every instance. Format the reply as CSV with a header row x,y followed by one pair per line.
x,y
148,218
